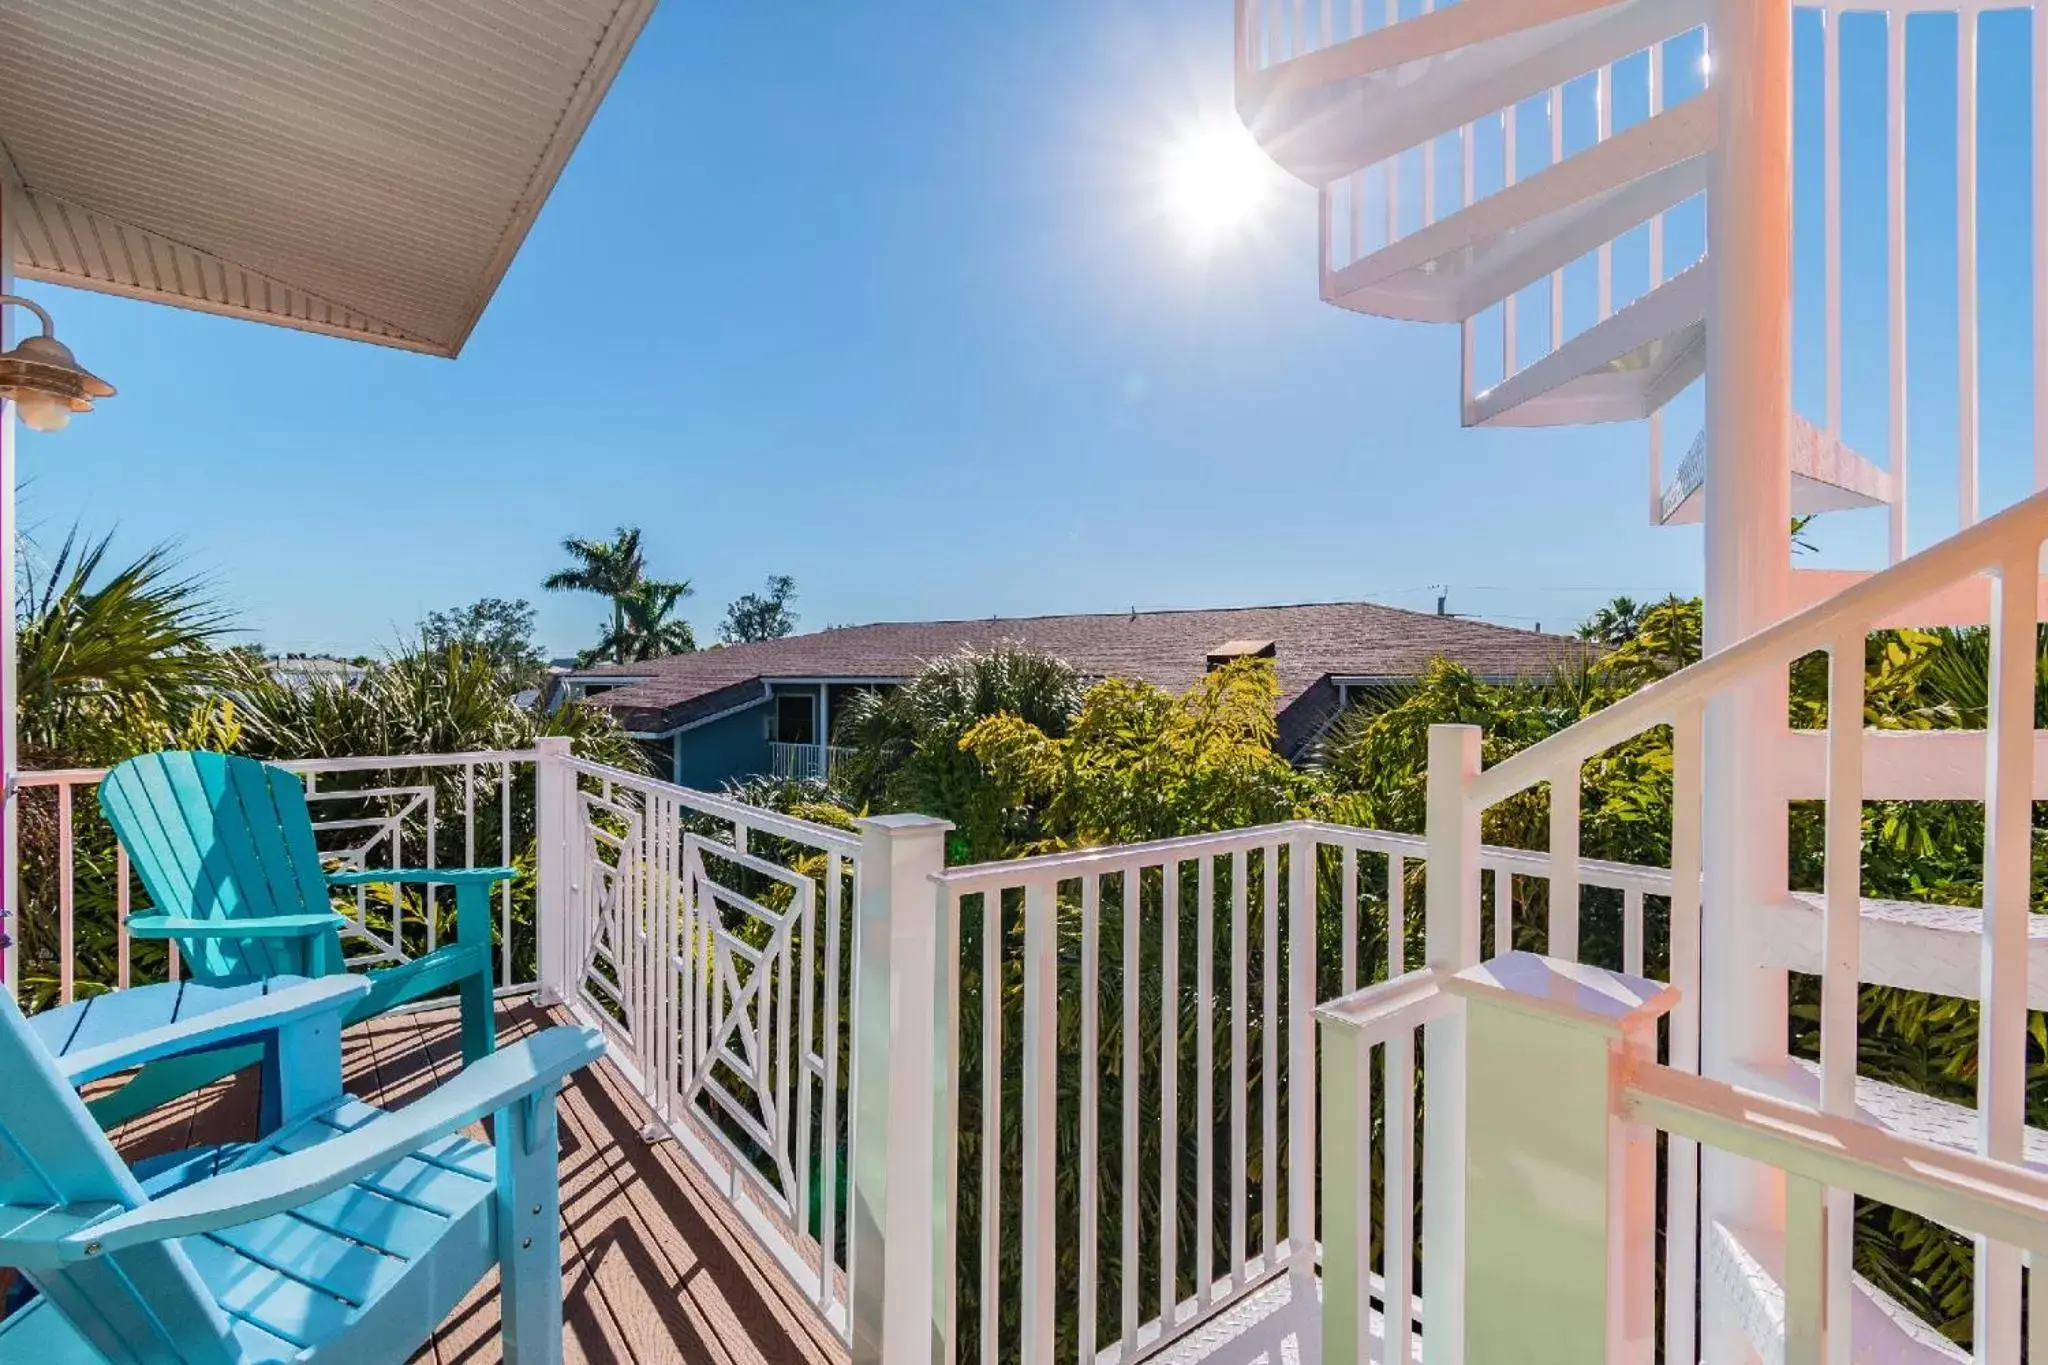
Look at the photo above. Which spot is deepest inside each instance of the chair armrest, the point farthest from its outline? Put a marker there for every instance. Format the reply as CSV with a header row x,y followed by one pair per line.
x,y
152,926
416,876
529,1068
243,1023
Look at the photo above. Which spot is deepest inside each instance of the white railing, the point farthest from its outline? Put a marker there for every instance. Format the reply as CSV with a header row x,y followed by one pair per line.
x,y
2005,549
1194,1116
408,810
709,941
1562,1078
802,762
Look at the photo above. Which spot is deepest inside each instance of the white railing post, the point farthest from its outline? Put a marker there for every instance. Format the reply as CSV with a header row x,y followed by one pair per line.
x,y
554,788
897,1086
1451,928
1560,1216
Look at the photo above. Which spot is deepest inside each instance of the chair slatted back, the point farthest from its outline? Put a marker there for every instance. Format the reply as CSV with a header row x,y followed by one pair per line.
x,y
214,836
142,1304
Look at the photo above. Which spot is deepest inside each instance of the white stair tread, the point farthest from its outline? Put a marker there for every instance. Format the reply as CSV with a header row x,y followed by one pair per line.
x,y
1897,1110
1748,1264
1462,264
1910,944
1332,112
1621,369
1828,475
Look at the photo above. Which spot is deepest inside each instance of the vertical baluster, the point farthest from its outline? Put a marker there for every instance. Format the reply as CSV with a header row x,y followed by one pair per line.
x,y
806,1030
427,891
1966,268
1632,931
1564,862
1681,1237
1090,1067
1128,1269
1895,271
505,860
1604,93
1169,1091
67,925
991,1121
2008,832
1270,1024
1205,1079
1656,98
1398,1234
1348,875
1041,1117
1508,319
1657,466
828,1155
123,944
1556,276
1240,1159
1503,911
1831,22
1301,1063
1841,958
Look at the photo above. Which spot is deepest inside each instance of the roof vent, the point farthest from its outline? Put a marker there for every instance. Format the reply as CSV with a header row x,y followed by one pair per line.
x,y
1232,650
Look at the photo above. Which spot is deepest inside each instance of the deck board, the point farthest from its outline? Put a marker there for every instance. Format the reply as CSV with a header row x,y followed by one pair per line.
x,y
654,1268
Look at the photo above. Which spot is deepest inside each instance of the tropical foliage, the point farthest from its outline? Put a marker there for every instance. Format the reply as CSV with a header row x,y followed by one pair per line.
x,y
643,625
1023,758
496,628
763,615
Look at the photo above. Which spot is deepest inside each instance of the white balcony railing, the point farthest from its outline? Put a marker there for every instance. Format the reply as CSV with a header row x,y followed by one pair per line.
x,y
417,810
793,1014
802,762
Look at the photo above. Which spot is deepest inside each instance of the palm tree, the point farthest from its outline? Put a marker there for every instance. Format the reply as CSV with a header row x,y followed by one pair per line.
x,y
645,628
610,568
112,662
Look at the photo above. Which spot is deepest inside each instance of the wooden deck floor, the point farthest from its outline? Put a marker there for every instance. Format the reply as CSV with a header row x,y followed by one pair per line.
x,y
654,1269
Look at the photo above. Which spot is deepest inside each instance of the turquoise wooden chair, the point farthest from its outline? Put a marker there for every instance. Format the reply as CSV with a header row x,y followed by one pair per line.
x,y
224,846
348,1234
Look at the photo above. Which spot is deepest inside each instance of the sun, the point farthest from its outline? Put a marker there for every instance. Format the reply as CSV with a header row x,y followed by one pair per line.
x,y
1215,182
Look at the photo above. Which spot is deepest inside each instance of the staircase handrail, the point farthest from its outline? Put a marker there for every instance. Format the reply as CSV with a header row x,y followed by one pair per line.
x,y
1991,544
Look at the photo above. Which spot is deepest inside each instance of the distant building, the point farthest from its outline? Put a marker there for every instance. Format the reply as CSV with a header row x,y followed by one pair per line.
x,y
303,670
771,708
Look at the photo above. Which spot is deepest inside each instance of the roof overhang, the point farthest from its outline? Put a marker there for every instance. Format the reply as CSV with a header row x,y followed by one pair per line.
x,y
365,170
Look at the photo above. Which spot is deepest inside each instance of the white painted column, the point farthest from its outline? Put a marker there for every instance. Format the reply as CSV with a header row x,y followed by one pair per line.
x,y
1748,566
897,1086
10,753
1451,943
554,802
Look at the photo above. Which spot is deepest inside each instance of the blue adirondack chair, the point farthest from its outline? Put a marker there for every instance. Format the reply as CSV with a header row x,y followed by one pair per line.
x,y
348,1234
224,846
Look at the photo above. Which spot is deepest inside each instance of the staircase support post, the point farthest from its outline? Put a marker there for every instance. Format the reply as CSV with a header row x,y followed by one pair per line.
x,y
1748,568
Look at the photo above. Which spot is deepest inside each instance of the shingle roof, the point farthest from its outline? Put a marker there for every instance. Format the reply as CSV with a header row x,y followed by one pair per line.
x,y
1170,649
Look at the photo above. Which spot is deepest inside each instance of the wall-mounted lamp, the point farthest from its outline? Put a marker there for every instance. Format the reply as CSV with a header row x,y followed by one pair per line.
x,y
44,379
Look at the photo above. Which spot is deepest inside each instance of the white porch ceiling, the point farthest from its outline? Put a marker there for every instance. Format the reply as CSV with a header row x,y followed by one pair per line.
x,y
362,168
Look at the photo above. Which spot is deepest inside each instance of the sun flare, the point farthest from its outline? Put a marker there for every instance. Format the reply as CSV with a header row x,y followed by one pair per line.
x,y
1216,182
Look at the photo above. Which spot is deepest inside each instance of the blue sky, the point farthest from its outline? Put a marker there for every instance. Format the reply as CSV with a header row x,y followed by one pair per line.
x,y
878,296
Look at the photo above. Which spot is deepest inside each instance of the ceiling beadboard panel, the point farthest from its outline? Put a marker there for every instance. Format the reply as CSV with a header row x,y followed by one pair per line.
x,y
364,168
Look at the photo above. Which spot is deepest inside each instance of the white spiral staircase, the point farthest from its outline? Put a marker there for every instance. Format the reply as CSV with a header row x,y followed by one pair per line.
x,y
1533,171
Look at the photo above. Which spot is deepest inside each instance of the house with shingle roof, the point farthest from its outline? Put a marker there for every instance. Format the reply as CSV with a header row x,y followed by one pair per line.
x,y
769,708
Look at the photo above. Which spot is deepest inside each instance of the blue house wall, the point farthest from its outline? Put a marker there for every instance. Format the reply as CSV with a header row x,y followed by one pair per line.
x,y
728,748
